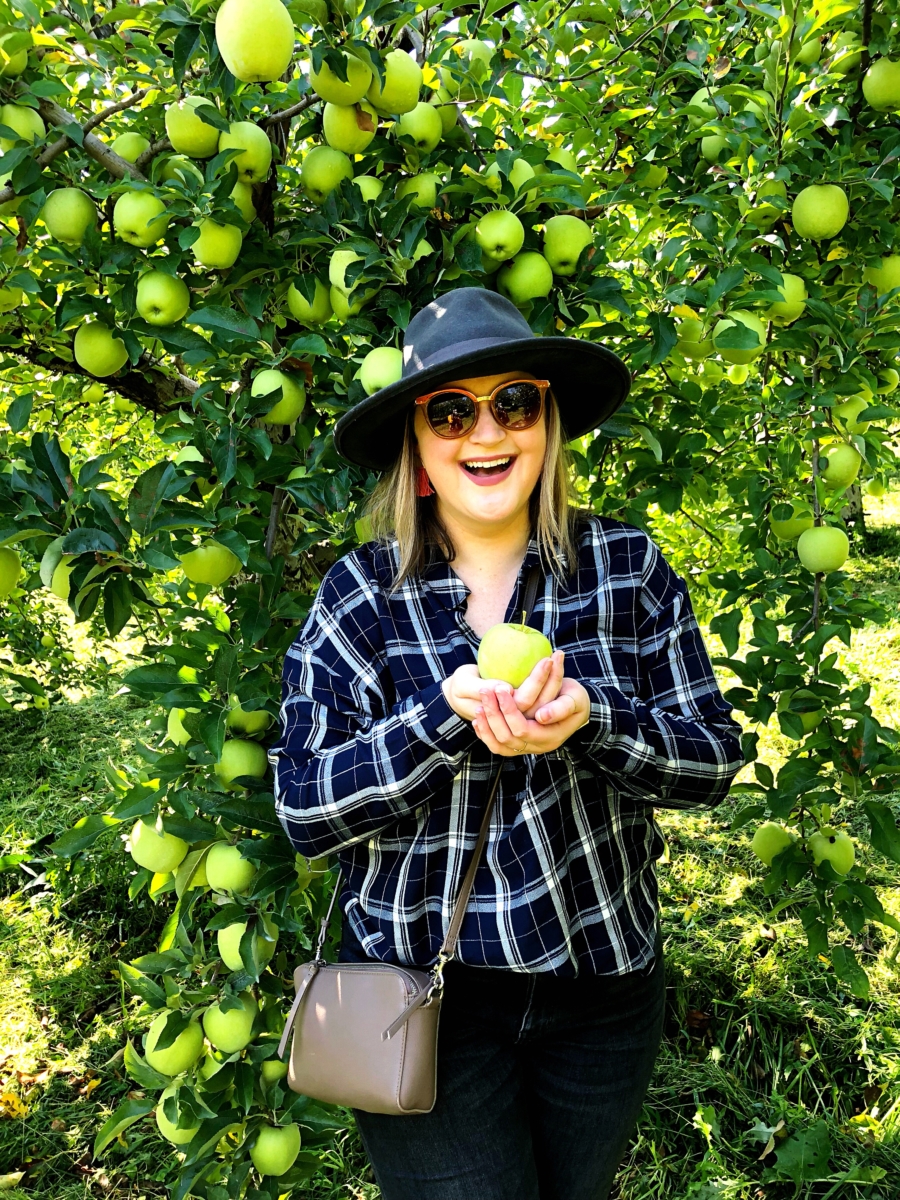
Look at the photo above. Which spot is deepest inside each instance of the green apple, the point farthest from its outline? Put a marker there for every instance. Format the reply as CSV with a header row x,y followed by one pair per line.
x,y
68,214
712,146
130,146
322,170
293,396
466,67
692,342
349,127
784,312
226,869
881,85
762,216
10,298
847,50
231,1030
770,839
791,527
97,349
370,186
349,304
561,156
703,100
886,275
276,1148
255,39
10,570
255,156
511,652
422,188
13,54
242,195
380,368
564,239
527,277
402,82
25,122
842,464
273,1070
187,132
519,173
337,268
93,393
140,218
848,412
655,175
875,488
218,246
804,704
162,299
889,381
316,313
823,549
240,758
211,563
749,321
738,373
442,101
177,1135
175,730
250,722
181,1054
48,641
422,125
178,168
422,249
827,845
334,90
501,234
711,373
59,583
820,211
158,852
229,943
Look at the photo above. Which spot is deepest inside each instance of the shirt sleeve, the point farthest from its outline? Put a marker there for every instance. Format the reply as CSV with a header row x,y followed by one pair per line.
x,y
348,763
674,745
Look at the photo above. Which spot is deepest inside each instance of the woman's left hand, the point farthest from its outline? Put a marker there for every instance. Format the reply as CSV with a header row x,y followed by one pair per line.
x,y
505,729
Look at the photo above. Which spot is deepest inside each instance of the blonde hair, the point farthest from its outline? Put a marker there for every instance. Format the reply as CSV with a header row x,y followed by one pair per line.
x,y
396,511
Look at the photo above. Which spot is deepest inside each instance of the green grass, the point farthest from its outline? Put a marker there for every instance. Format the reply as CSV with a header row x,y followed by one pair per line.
x,y
761,1042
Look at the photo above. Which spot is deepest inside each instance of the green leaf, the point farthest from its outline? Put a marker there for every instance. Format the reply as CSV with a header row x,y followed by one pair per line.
x,y
124,1116
806,1155
664,336
141,1071
154,995
81,541
728,627
228,320
83,834
148,494
885,834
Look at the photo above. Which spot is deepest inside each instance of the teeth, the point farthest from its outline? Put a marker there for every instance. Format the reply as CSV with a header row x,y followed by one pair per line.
x,y
491,462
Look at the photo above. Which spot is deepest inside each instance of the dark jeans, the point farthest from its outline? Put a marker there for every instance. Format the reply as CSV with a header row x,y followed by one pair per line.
x,y
540,1085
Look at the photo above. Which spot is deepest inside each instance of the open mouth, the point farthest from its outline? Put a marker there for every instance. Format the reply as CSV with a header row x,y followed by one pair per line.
x,y
488,468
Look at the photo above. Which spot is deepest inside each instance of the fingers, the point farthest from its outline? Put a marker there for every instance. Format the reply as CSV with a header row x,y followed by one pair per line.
x,y
552,683
504,717
557,710
532,688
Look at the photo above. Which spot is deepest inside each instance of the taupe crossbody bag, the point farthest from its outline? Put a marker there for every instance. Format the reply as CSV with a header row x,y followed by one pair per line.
x,y
365,1034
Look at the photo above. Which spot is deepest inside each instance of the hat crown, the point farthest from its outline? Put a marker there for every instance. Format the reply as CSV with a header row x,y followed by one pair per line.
x,y
460,321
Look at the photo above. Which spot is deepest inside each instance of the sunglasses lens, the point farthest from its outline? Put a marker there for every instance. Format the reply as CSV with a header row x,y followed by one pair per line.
x,y
451,414
518,405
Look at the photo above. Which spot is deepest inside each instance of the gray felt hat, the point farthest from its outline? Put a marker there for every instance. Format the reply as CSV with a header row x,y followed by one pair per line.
x,y
471,331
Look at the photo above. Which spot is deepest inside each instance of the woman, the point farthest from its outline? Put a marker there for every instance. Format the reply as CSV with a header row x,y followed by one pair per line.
x,y
552,1013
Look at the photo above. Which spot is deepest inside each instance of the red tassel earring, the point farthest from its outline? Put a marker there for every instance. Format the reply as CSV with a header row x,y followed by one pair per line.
x,y
423,483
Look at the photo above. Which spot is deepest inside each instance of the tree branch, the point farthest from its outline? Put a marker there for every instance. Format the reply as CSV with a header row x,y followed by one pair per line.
x,y
158,147
128,102
143,385
300,107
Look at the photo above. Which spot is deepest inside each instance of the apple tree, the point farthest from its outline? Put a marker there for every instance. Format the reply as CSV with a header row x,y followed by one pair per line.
x,y
216,223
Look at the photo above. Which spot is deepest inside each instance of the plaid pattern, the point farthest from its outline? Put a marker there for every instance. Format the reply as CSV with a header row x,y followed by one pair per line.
x,y
373,764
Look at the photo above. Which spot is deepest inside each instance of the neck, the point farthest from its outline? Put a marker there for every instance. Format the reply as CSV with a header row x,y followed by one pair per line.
x,y
487,548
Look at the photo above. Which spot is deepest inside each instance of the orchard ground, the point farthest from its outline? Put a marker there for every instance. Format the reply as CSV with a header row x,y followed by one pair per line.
x,y
766,1060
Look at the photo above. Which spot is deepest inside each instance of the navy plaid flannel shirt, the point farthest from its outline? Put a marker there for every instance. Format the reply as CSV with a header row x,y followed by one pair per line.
x,y
373,765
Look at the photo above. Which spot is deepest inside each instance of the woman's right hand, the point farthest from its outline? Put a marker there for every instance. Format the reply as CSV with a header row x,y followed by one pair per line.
x,y
463,688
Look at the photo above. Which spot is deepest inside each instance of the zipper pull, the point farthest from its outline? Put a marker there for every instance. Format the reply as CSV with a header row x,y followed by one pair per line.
x,y
424,997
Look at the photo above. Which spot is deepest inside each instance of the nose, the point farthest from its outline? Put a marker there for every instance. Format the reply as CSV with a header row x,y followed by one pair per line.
x,y
486,432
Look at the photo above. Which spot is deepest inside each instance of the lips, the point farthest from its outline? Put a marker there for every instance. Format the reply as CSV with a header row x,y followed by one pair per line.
x,y
492,472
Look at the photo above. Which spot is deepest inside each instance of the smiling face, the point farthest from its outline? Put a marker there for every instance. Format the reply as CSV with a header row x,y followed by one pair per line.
x,y
487,477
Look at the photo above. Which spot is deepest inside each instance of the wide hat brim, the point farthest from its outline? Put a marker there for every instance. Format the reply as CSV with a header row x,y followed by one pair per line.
x,y
589,383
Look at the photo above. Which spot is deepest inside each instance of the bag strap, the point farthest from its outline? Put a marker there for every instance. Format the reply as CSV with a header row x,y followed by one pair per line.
x,y
448,949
